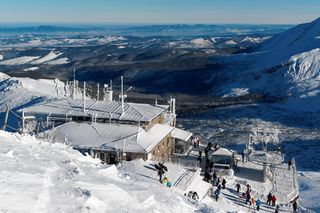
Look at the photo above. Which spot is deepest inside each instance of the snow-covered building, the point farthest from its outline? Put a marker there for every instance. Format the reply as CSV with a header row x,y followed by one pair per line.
x,y
108,130
224,160
183,140
113,142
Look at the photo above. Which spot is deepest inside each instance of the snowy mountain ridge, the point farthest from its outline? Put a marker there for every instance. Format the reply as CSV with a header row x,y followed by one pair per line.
x,y
301,38
305,66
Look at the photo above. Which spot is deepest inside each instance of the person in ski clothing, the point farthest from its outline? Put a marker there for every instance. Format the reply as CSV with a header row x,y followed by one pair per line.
x,y
206,150
289,164
160,173
274,200
269,198
242,155
161,170
252,202
214,175
248,188
195,195
277,209
211,165
258,203
199,158
248,197
238,187
207,165
224,183
217,193
207,176
295,206
218,181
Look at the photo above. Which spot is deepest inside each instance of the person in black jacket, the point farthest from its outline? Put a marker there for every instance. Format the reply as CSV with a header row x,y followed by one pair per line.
x,y
269,198
224,183
238,187
295,206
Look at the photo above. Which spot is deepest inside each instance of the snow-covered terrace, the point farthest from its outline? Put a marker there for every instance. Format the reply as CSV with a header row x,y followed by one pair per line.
x,y
115,136
100,109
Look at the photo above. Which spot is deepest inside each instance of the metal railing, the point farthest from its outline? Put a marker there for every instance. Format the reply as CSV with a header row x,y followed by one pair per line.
x,y
295,193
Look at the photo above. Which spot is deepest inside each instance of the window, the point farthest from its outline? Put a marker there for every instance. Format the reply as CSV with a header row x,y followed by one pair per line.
x,y
101,156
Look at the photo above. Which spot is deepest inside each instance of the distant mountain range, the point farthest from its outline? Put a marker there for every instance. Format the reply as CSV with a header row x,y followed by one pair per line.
x,y
151,30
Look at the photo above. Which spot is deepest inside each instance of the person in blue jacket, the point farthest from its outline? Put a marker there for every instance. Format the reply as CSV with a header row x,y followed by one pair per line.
x,y
258,203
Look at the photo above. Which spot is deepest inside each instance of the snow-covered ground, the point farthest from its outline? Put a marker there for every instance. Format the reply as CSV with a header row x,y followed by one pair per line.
x,y
202,43
19,60
58,61
31,69
38,176
50,56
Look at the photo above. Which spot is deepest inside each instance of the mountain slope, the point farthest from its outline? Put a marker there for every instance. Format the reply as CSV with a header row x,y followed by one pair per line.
x,y
301,38
286,66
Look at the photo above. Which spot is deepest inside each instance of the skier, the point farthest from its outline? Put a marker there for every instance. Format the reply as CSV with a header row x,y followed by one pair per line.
x,y
274,200
238,187
224,183
258,203
295,206
289,164
269,198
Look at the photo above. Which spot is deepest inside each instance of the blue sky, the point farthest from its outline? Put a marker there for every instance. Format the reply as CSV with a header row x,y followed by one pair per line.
x,y
160,11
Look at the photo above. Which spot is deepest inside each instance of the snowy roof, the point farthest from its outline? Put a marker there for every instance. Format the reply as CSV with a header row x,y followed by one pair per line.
x,y
101,109
222,152
116,136
181,134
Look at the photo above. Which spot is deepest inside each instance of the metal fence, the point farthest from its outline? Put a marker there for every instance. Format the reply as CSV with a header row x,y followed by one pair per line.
x,y
188,163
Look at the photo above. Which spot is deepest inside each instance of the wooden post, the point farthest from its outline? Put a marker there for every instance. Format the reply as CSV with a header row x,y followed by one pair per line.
x,y
6,119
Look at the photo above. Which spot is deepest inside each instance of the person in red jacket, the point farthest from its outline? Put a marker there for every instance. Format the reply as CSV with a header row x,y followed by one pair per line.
x,y
274,200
